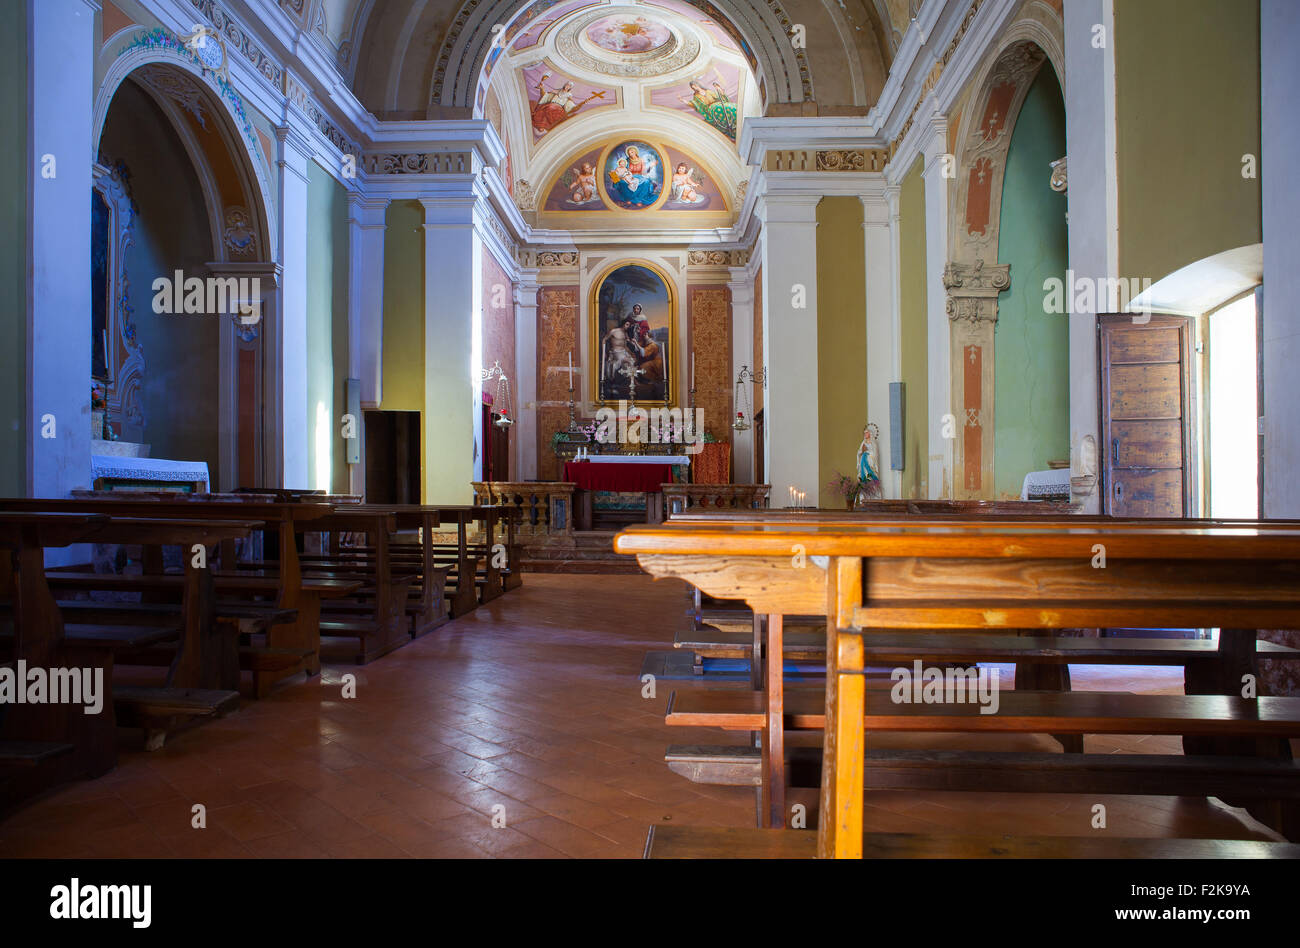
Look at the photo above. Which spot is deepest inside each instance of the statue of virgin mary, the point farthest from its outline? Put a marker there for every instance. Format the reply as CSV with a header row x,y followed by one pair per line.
x,y
868,463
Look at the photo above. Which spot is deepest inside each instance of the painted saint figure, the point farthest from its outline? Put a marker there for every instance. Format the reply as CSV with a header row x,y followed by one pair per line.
x,y
714,106
553,106
620,354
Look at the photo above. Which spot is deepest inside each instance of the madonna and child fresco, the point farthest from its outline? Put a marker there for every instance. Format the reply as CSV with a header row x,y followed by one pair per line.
x,y
635,176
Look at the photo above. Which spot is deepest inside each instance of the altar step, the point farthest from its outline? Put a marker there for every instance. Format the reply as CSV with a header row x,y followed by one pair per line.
x,y
592,551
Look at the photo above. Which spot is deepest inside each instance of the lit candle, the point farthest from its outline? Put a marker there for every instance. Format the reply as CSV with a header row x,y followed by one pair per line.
x,y
692,371
570,371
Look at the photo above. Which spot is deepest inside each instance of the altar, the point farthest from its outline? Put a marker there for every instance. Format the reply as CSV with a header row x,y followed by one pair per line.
x,y
621,475
128,471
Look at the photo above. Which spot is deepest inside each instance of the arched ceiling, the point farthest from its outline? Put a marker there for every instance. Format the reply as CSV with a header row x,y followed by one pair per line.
x,y
586,73
416,59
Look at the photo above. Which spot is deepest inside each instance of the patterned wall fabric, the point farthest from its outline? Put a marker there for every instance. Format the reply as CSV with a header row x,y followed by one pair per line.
x,y
557,337
709,315
713,464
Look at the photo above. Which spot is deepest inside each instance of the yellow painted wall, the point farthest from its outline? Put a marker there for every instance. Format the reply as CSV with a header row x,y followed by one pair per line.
x,y
913,344
404,307
1187,107
404,310
841,340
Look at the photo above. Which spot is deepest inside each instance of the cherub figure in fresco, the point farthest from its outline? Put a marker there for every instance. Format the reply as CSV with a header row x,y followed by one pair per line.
x,y
686,189
583,189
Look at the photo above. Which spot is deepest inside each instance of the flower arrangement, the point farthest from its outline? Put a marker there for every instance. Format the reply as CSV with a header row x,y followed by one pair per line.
x,y
847,487
98,402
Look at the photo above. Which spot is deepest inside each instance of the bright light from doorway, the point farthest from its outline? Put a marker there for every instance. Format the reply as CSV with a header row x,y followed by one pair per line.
x,y
1234,450
322,448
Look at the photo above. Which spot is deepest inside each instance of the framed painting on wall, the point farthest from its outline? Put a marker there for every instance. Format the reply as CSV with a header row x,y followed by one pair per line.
x,y
633,335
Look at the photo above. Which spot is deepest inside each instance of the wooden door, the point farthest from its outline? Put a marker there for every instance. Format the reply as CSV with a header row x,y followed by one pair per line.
x,y
1147,414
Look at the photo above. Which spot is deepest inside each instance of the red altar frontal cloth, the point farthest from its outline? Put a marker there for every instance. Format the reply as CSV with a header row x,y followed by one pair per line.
x,y
619,477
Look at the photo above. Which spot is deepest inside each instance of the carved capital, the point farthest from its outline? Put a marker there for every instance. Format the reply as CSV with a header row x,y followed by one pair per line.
x,y
977,276
973,289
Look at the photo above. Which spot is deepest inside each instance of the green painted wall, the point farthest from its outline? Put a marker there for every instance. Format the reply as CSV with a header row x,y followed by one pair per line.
x,y
13,255
1032,348
914,348
1187,110
841,340
404,307
327,318
180,391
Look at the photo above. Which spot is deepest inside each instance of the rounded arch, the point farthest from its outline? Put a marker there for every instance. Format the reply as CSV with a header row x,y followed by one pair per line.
x,y
471,48
983,138
247,187
973,276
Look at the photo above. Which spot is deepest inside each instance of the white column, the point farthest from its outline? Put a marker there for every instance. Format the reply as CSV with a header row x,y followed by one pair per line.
x,y
1279,22
883,352
366,231
453,344
290,419
790,342
61,47
1092,203
938,332
742,353
525,375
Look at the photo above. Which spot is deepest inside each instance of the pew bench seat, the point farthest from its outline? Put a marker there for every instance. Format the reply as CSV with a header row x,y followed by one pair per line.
x,y
807,643
161,710
22,755
1009,772
692,842
1029,712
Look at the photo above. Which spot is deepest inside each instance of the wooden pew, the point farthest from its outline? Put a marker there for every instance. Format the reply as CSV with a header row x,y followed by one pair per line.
x,y
376,617
48,744
286,588
465,584
201,652
427,607
909,575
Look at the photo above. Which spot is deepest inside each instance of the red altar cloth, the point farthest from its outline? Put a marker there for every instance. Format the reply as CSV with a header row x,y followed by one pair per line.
x,y
619,477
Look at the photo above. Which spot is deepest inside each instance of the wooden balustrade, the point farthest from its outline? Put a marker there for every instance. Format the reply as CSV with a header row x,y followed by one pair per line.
x,y
679,498
546,508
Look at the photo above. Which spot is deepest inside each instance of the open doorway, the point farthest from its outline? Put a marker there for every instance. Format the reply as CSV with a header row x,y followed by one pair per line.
x,y
392,457
1232,410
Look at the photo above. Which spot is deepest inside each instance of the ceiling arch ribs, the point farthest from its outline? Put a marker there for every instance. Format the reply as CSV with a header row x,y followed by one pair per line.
x,y
459,67
935,57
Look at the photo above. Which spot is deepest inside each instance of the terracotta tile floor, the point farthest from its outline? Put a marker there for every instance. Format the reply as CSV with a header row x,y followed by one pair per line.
x,y
528,710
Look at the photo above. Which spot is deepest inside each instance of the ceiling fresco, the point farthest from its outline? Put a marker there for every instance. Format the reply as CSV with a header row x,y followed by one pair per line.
x,y
629,107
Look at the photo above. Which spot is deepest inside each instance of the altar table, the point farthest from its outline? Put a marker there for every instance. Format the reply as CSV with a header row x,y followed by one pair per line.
x,y
618,476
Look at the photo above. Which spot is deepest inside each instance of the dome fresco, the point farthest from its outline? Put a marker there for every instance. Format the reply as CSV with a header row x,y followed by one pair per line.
x,y
624,33
581,83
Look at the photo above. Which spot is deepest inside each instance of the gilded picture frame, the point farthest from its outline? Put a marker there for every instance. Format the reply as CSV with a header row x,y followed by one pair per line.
x,y
632,322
